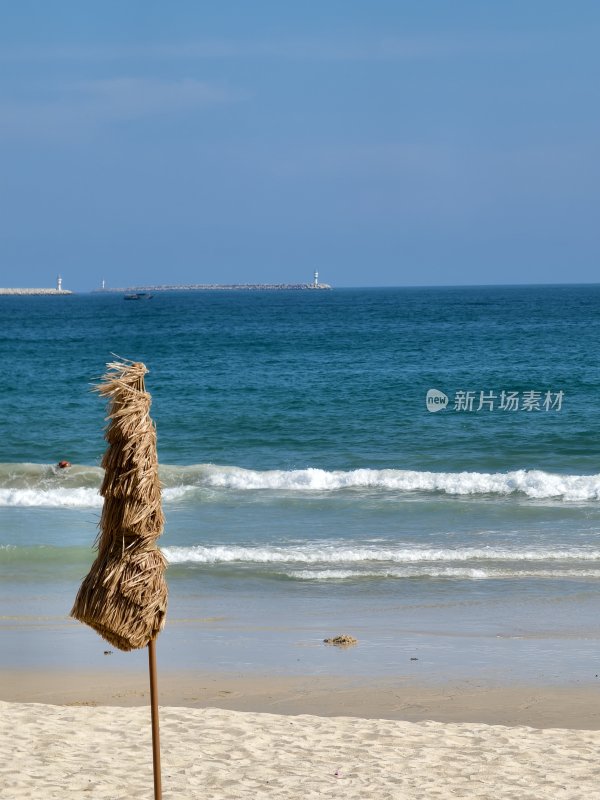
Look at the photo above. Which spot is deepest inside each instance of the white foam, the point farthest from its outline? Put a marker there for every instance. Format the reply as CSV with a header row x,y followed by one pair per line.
x,y
316,554
43,485
341,574
51,498
176,493
533,483
439,572
63,497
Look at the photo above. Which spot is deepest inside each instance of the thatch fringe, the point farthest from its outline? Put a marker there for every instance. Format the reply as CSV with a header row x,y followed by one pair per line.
x,y
124,596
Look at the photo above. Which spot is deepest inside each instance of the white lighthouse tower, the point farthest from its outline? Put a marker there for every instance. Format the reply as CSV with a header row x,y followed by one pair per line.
x,y
316,280
59,283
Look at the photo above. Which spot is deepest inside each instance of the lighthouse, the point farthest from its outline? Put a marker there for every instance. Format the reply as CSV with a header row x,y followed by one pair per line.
x,y
316,280
59,283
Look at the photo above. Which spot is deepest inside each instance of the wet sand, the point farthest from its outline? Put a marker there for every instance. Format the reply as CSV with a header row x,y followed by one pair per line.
x,y
576,706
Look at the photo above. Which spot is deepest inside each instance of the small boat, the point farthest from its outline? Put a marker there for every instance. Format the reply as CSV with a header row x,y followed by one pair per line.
x,y
138,296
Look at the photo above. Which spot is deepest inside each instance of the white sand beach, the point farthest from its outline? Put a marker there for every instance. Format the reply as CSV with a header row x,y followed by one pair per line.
x,y
103,752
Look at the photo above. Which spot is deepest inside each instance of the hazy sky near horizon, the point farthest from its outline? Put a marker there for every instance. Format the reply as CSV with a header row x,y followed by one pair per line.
x,y
382,143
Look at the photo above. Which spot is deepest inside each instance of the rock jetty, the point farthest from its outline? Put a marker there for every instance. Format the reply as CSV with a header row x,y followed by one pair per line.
x,y
201,287
35,291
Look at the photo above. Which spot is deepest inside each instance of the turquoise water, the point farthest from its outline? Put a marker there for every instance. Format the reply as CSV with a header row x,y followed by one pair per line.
x,y
308,489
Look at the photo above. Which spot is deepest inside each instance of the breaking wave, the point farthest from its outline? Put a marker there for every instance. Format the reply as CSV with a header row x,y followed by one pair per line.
x,y
45,486
439,572
532,483
315,562
317,554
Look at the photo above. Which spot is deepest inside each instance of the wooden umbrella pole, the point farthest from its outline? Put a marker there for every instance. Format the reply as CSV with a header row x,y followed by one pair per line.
x,y
155,730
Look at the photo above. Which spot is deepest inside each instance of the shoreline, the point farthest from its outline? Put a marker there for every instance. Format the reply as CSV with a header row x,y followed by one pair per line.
x,y
468,701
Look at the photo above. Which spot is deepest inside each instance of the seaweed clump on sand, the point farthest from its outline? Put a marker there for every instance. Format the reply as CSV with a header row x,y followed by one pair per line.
x,y
344,640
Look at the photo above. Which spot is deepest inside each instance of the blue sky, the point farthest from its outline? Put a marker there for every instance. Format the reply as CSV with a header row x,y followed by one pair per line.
x,y
382,143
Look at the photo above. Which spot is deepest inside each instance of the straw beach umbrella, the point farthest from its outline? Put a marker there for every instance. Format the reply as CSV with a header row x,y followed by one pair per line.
x,y
124,596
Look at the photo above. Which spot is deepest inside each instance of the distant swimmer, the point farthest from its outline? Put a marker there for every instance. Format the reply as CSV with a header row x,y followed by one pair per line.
x,y
63,464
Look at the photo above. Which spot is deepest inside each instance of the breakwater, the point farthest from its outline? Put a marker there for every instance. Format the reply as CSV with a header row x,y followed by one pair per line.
x,y
35,291
196,287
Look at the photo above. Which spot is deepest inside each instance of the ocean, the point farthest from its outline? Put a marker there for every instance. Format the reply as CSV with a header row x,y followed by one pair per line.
x,y
416,467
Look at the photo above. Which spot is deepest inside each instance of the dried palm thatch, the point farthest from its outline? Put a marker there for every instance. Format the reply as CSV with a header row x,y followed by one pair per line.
x,y
124,596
